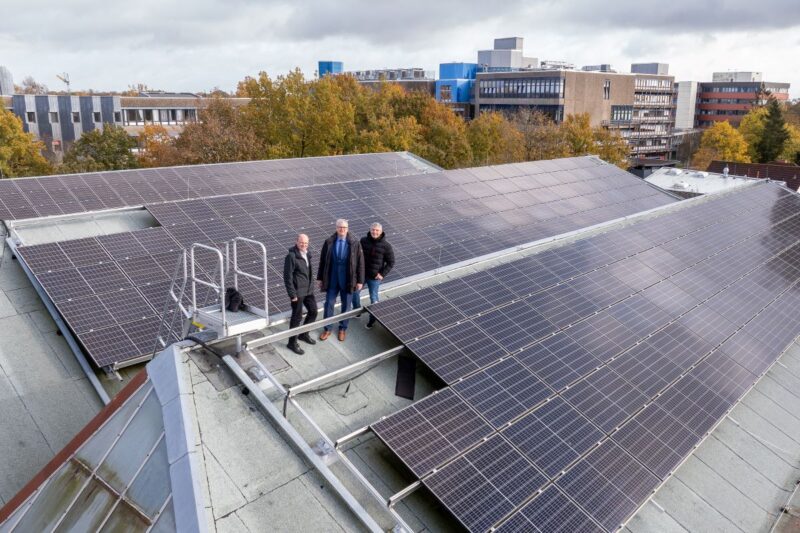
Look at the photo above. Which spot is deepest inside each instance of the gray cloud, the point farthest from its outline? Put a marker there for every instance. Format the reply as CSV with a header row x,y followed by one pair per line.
x,y
206,43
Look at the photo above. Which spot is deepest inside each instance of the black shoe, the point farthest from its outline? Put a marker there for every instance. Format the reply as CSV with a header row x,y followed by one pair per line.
x,y
370,324
295,348
305,337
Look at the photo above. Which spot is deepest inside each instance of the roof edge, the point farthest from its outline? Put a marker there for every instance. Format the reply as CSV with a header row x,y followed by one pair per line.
x,y
61,457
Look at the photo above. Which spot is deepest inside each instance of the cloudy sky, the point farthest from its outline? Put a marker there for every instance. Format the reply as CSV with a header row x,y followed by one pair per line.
x,y
213,43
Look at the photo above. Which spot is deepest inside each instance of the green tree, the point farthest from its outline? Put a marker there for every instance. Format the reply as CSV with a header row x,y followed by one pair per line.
x,y
106,149
722,142
791,150
752,129
775,134
494,140
20,152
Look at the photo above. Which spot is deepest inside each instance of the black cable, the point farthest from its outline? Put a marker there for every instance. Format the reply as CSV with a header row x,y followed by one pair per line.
x,y
204,345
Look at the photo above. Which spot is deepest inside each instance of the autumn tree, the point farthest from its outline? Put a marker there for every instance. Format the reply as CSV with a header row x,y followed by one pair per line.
x,y
222,135
443,136
494,140
752,129
775,134
157,147
578,134
541,136
722,142
791,150
109,148
20,152
611,147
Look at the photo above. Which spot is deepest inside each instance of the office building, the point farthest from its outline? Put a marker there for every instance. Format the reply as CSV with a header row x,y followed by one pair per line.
x,y
60,120
638,106
731,95
456,85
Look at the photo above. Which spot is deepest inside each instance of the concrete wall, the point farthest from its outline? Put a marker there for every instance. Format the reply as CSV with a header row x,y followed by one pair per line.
x,y
583,93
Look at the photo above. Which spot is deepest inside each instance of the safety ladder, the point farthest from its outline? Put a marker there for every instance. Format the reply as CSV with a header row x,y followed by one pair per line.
x,y
200,314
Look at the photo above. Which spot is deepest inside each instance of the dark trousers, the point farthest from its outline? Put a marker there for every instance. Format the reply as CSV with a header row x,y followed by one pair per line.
x,y
337,290
310,303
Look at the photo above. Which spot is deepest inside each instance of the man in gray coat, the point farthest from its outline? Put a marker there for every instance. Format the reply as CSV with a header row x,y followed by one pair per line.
x,y
299,282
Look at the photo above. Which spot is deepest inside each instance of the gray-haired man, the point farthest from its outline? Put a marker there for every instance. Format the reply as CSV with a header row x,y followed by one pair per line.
x,y
378,261
340,273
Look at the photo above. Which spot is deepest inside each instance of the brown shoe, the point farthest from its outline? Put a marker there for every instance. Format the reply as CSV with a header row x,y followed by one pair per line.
x,y
342,335
324,335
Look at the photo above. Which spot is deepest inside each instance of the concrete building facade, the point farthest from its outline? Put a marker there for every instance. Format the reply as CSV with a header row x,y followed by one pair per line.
x,y
685,104
638,106
731,95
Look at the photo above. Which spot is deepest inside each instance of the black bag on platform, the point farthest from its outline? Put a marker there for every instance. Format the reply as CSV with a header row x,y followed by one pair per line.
x,y
233,300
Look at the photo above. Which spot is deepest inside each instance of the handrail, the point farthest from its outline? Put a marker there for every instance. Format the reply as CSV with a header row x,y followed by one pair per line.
x,y
263,279
218,288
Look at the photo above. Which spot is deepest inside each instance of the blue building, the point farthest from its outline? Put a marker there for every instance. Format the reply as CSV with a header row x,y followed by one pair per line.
x,y
456,85
330,67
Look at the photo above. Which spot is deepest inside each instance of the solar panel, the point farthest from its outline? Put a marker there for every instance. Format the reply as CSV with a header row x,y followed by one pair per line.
x,y
56,195
639,367
419,209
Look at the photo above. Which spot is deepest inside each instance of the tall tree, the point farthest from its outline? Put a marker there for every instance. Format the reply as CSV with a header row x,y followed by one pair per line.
x,y
108,149
752,129
723,142
494,140
20,152
541,137
222,135
775,134
611,147
157,147
579,134
791,150
443,136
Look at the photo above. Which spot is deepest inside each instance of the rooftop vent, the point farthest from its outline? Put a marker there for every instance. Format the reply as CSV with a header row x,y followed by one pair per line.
x,y
674,172
680,185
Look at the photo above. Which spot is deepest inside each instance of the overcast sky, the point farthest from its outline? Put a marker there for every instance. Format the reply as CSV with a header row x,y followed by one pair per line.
x,y
213,43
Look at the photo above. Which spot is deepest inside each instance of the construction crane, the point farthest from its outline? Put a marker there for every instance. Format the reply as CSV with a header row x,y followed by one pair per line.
x,y
65,78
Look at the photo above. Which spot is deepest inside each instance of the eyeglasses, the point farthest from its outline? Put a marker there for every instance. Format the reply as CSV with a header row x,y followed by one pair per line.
x,y
341,227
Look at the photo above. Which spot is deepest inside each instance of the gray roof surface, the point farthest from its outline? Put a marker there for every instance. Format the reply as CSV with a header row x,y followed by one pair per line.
x,y
45,398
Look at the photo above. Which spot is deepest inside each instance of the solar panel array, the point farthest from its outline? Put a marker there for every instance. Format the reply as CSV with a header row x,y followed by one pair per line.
x,y
582,376
432,220
75,193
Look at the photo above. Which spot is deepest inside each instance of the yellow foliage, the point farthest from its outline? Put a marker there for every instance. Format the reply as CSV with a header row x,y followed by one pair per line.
x,y
20,152
723,142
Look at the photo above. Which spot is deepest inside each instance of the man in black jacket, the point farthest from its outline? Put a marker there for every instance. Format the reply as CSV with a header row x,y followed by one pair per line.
x,y
298,279
378,261
340,273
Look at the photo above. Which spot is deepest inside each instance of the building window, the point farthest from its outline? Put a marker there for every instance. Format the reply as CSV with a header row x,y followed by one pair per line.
x,y
56,146
607,90
76,116
31,116
148,115
446,93
117,116
53,117
621,113
97,117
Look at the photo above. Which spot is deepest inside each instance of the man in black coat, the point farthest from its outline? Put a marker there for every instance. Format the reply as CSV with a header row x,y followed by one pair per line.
x,y
378,261
299,282
340,273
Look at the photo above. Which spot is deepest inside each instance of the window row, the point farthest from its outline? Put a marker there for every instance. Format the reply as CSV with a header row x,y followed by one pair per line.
x,y
54,117
140,117
522,88
652,83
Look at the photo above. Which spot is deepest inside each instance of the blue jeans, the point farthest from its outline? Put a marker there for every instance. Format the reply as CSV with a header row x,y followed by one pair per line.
x,y
335,290
373,285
